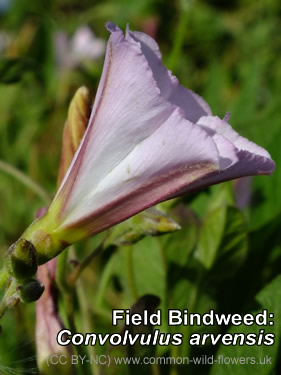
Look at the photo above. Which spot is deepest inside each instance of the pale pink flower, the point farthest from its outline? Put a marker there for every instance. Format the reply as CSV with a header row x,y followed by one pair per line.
x,y
148,140
84,45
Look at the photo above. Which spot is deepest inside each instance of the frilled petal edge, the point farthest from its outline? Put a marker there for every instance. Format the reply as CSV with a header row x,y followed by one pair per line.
x,y
239,157
192,105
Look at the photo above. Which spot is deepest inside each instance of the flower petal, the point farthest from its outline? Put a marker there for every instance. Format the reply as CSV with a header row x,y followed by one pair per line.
x,y
176,154
128,108
215,124
192,105
250,159
239,157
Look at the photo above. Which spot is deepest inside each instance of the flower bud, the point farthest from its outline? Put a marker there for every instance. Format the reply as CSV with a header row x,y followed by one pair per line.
x,y
75,126
150,222
21,259
154,222
31,290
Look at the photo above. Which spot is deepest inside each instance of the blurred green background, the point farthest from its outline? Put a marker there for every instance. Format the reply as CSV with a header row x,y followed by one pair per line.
x,y
229,249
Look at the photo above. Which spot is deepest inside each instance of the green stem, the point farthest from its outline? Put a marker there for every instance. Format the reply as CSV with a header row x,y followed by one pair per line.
x,y
185,349
105,279
180,35
25,180
174,354
85,262
3,308
61,269
4,276
87,322
130,270
67,293
7,301
155,369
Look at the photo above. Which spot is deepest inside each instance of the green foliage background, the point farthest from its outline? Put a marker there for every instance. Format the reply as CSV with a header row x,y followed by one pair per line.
x,y
224,257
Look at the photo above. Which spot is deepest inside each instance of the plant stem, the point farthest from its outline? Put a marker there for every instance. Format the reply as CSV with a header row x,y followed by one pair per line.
x,y
180,35
4,275
130,270
67,293
61,270
185,349
105,279
25,180
5,303
85,262
87,323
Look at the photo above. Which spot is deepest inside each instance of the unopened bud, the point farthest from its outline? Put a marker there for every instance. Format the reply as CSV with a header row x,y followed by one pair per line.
x,y
21,259
74,129
150,222
31,290
153,222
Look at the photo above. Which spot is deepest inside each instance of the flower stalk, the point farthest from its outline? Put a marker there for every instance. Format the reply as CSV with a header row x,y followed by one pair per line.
x,y
72,278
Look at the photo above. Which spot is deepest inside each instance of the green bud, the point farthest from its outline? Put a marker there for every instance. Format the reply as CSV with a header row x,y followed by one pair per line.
x,y
153,222
150,222
21,260
31,290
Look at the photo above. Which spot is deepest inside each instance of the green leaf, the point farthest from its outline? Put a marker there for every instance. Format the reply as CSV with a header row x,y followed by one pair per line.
x,y
244,106
210,237
266,198
221,195
178,246
12,70
223,240
149,268
141,270
269,298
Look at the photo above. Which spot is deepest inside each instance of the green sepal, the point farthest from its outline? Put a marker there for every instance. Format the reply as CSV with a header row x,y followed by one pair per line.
x,y
21,259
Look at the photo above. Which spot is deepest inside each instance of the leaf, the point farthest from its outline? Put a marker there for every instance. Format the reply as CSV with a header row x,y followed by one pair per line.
x,y
266,198
223,241
210,237
244,107
12,70
141,270
221,195
149,268
179,245
269,298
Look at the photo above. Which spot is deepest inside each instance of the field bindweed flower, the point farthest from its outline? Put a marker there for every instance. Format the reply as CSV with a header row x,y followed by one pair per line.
x,y
148,140
83,46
